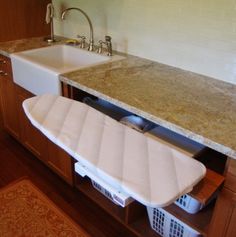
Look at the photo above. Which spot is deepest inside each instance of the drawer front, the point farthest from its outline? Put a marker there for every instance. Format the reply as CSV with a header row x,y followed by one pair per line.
x,y
5,67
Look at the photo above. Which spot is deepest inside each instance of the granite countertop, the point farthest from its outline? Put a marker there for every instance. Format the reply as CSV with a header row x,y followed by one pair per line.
x,y
198,107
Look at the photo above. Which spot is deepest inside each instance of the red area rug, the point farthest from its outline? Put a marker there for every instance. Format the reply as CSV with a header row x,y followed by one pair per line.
x,y
26,212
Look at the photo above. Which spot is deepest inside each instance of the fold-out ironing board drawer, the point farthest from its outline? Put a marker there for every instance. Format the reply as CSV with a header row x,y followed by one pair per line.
x,y
150,172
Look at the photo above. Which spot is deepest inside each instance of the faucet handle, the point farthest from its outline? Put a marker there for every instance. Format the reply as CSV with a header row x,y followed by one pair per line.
x,y
82,42
99,50
108,38
108,45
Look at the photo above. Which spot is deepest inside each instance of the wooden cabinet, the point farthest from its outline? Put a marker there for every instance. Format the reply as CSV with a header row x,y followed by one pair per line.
x,y
31,137
52,155
23,19
9,108
224,218
60,162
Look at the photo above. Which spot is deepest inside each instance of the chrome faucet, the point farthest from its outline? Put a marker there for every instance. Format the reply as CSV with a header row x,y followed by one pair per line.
x,y
49,19
91,39
107,43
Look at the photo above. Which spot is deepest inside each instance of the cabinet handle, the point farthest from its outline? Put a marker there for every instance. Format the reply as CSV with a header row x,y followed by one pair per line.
x,y
2,73
3,61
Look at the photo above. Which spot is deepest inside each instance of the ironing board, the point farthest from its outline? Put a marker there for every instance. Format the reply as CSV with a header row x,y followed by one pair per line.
x,y
150,172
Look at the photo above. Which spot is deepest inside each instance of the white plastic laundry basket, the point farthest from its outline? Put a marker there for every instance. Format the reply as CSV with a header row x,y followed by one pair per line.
x,y
189,204
167,225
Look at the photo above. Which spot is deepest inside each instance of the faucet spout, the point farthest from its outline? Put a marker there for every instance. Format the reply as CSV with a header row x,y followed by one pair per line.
x,y
91,38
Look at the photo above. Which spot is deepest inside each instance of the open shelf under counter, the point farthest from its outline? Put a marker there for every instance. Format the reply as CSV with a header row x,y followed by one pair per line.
x,y
124,214
134,216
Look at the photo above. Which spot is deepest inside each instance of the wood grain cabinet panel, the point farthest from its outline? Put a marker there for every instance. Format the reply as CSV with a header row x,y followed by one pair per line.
x,y
8,98
31,137
224,219
52,155
60,162
23,19
223,223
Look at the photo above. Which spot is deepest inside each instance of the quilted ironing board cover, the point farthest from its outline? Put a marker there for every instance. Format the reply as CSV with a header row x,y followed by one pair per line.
x,y
149,171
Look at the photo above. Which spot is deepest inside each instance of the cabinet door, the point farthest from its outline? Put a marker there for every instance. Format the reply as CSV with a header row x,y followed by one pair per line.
x,y
53,156
23,19
60,162
8,98
31,137
224,219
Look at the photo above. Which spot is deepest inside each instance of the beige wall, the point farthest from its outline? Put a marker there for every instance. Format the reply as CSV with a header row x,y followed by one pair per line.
x,y
196,35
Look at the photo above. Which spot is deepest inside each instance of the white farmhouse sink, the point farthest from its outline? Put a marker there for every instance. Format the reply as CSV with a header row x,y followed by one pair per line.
x,y
37,70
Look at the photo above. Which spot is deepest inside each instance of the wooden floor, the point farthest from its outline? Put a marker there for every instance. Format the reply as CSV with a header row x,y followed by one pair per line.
x,y
16,162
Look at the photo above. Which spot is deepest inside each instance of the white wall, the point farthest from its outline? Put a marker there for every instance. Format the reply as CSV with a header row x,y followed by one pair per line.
x,y
196,35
